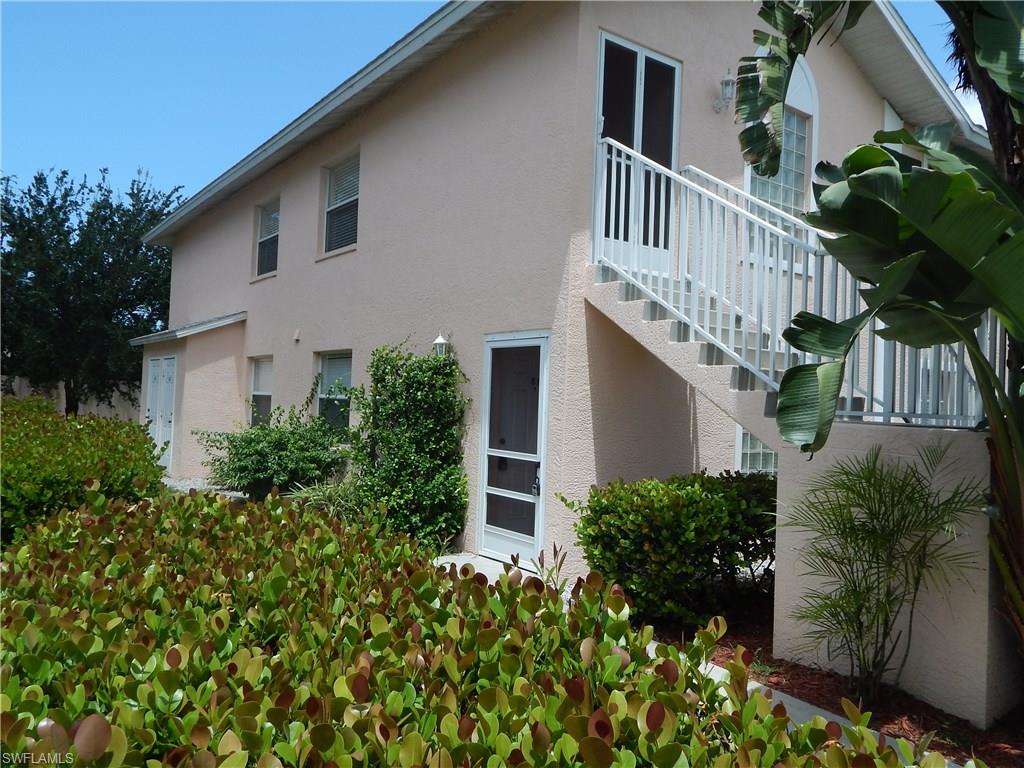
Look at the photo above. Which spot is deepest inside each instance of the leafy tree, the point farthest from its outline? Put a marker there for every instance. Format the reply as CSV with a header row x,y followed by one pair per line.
x,y
937,247
78,282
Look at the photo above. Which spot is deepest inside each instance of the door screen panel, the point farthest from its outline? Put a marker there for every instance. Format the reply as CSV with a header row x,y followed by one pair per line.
x,y
515,377
511,514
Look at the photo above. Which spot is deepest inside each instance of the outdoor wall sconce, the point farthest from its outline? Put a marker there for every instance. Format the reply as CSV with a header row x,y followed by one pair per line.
x,y
728,86
440,346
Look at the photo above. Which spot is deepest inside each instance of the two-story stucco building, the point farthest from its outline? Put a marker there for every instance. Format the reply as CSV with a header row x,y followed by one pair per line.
x,y
557,189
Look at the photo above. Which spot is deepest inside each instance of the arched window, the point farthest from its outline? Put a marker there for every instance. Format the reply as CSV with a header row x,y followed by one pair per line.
x,y
790,187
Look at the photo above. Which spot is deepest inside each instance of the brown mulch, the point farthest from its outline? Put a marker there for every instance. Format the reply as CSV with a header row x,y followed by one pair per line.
x,y
897,714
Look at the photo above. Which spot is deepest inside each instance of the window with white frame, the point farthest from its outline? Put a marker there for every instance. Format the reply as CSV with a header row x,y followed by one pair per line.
x,y
266,239
754,456
335,379
787,189
341,219
262,382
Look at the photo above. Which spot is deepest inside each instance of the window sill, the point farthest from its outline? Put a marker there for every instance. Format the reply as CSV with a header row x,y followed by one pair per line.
x,y
264,276
337,252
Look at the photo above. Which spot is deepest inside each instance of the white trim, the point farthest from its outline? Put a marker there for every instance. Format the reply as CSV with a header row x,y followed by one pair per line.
x,y
973,133
253,392
190,330
540,339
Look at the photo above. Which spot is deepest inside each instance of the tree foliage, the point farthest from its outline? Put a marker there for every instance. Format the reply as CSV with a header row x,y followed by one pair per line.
x,y
936,247
78,282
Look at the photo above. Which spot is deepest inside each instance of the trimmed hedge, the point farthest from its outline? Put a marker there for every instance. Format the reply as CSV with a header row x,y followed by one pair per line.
x,y
47,459
680,545
195,631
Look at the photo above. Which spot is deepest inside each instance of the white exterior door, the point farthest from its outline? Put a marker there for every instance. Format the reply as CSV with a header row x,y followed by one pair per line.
x,y
639,107
160,403
513,446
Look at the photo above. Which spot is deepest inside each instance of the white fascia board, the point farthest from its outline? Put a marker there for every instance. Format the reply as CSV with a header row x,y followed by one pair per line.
x,y
173,334
429,30
972,132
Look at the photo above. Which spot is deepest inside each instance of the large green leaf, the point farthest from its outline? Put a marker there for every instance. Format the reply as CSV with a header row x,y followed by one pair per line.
x,y
807,402
999,48
762,81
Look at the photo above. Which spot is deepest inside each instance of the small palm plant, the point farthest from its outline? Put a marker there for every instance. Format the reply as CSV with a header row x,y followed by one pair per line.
x,y
880,532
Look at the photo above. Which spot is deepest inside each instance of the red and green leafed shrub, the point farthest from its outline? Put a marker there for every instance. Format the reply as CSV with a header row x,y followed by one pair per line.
x,y
194,631
46,459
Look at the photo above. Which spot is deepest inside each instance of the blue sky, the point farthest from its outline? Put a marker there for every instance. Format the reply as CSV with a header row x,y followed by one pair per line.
x,y
184,90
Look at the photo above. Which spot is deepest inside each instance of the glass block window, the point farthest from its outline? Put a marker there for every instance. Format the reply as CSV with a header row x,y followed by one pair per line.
x,y
335,378
754,456
262,381
787,189
266,245
342,215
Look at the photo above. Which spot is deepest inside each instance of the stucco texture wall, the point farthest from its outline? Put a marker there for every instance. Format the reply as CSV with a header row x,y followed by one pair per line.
x,y
962,657
476,199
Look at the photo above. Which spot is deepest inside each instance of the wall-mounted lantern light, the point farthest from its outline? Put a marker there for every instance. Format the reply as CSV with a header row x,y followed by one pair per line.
x,y
728,86
440,346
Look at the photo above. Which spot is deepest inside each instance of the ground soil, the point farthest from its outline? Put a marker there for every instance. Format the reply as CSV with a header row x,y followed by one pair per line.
x,y
896,714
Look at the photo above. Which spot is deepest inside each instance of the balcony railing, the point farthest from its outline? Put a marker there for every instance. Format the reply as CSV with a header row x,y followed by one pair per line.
x,y
735,269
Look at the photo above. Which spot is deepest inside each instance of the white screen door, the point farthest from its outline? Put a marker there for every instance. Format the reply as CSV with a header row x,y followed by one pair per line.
x,y
160,403
639,104
513,446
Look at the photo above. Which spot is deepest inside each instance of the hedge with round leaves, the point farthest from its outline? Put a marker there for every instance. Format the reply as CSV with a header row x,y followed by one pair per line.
x,y
195,631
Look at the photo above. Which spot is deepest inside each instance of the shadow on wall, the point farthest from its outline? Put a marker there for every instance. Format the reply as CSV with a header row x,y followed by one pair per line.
x,y
644,415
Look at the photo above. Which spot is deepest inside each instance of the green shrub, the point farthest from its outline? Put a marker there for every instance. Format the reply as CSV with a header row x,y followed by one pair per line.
x,y
47,459
679,545
406,451
290,448
196,631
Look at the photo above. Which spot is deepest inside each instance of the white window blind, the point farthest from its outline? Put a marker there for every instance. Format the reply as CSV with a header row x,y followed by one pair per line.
x,y
262,386
342,215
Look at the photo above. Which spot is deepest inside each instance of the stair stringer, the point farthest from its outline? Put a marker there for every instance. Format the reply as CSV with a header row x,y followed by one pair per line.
x,y
753,409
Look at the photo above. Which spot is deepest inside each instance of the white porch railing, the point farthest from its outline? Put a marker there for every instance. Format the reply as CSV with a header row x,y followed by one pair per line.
x,y
735,269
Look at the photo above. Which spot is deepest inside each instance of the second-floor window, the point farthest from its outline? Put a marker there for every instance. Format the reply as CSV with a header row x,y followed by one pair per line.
x,y
262,379
266,244
341,226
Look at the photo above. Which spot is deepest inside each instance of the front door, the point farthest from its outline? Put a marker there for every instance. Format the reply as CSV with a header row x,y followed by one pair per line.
x,y
160,404
513,446
639,101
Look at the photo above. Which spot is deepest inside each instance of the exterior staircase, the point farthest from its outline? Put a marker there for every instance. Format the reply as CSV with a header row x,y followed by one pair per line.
x,y
744,398
706,278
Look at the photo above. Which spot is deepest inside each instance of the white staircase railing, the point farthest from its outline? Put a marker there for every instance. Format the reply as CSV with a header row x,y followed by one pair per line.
x,y
735,269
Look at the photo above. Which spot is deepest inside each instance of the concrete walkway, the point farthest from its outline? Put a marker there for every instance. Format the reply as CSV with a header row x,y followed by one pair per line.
x,y
798,710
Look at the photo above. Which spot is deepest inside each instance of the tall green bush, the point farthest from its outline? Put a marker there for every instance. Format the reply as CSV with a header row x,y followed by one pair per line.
x,y
680,546
878,532
406,449
288,449
194,631
46,459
